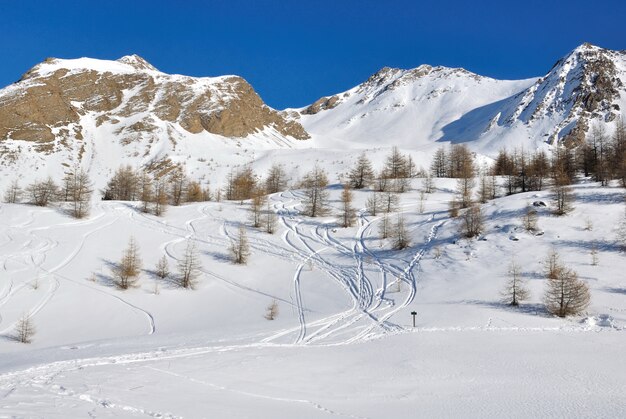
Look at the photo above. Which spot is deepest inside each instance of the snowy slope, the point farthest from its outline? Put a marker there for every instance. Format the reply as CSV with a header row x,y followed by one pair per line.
x,y
408,108
418,108
342,343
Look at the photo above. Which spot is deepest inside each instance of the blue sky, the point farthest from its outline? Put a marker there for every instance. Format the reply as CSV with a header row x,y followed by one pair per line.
x,y
293,52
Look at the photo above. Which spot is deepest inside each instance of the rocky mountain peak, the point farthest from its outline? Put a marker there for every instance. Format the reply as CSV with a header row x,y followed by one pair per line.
x,y
137,62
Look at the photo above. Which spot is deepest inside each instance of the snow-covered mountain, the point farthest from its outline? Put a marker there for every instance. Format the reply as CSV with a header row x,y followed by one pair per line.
x,y
98,113
101,113
415,108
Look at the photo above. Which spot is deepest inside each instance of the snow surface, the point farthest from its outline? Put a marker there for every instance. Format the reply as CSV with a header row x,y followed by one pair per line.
x,y
342,344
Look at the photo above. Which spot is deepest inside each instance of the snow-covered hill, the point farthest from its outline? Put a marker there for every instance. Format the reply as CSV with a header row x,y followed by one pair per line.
x,y
100,114
418,108
342,342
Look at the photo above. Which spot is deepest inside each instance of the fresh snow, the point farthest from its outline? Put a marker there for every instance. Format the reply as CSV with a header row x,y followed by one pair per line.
x,y
342,344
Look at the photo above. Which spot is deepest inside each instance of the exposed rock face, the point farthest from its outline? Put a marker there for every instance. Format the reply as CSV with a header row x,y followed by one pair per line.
x,y
47,104
582,87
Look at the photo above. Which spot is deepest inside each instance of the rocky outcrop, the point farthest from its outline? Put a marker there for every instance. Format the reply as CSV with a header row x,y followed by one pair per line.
x,y
46,106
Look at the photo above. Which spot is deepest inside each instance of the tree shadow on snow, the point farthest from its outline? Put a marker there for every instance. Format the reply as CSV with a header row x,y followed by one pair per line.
x,y
533,309
615,290
613,198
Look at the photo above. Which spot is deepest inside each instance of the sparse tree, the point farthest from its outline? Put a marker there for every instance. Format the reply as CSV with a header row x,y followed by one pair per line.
x,y
24,329
189,266
43,192
194,192
515,290
552,264
530,218
384,227
373,204
272,310
439,164
566,294
256,206
316,195
126,272
453,208
239,248
270,219
473,221
400,234
347,211
485,191
621,232
13,193
362,174
421,202
276,180
428,184
177,185
162,268
159,196
562,195
146,194
390,201
78,192
594,254
123,186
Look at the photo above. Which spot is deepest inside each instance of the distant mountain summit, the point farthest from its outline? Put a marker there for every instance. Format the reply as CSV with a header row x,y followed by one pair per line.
x,y
101,113
59,102
415,108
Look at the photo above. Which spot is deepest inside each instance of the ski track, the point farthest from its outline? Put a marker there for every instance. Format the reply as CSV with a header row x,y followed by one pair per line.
x,y
315,246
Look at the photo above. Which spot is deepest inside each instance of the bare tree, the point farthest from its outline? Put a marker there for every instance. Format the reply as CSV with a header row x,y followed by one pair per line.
x,y
390,201
177,185
400,234
439,164
420,208
13,193
515,290
270,219
189,266
159,197
43,192
123,186
347,211
472,221
552,264
566,294
562,199
146,193
162,268
594,254
78,192
384,227
621,232
276,180
428,184
126,272
194,192
362,174
256,206
272,310
24,329
373,203
485,188
316,195
239,248
453,208
529,219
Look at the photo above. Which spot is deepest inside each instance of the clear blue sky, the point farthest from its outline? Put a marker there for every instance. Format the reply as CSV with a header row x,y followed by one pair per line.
x,y
293,52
